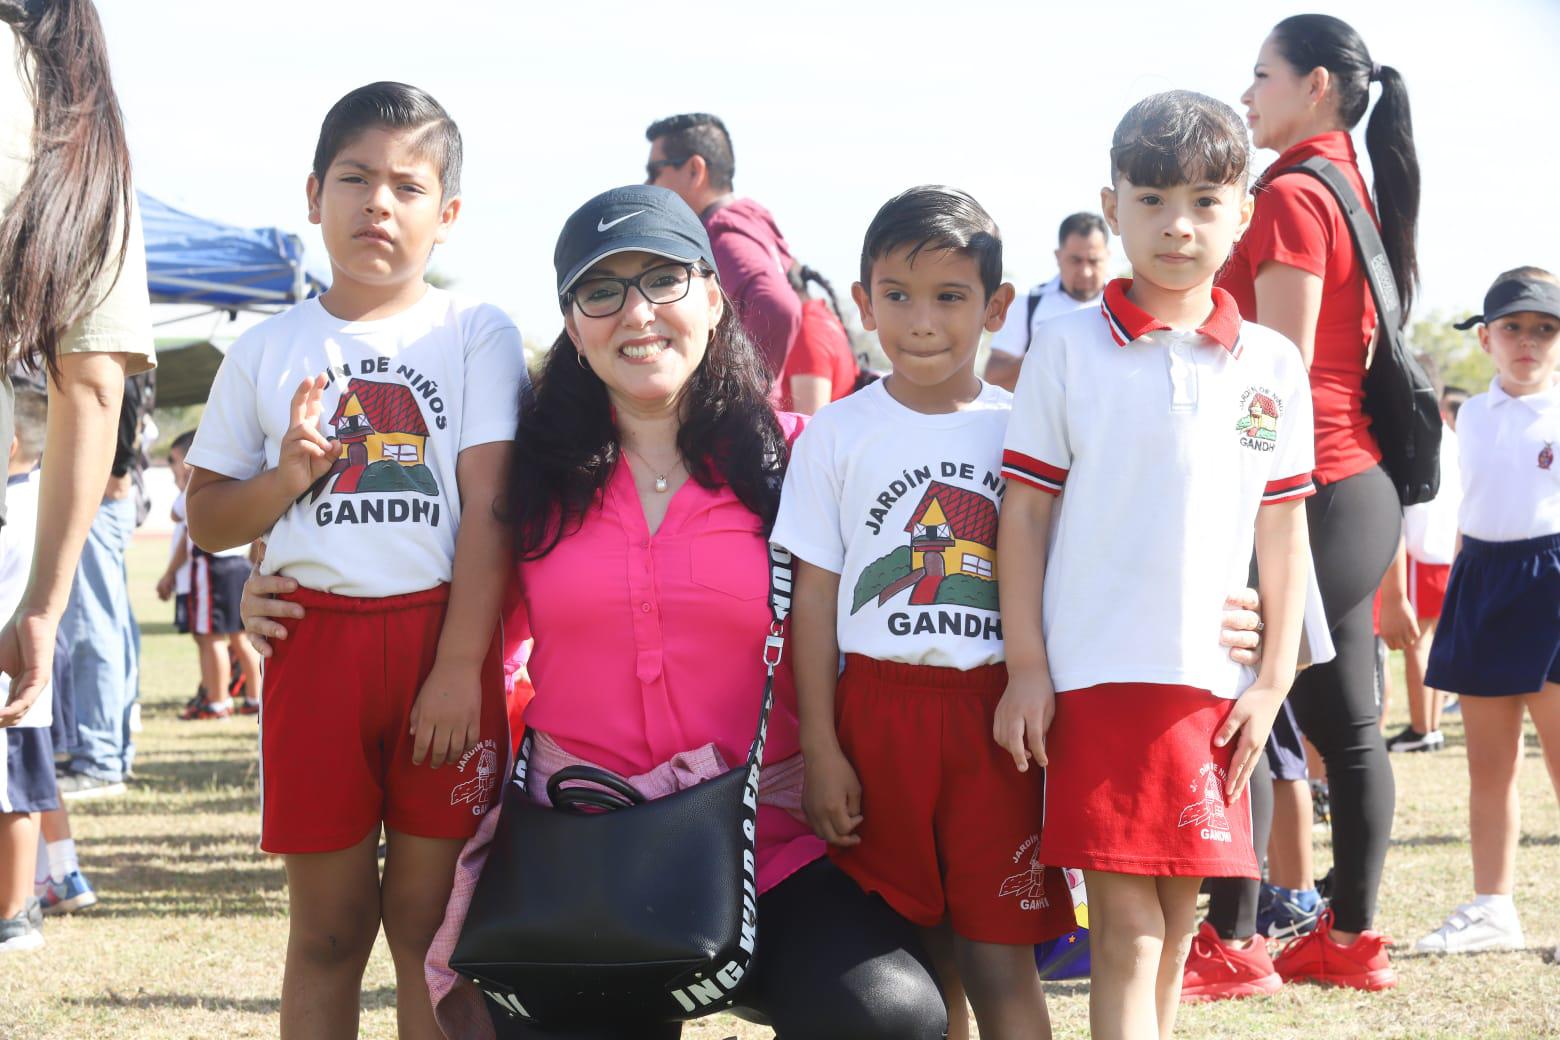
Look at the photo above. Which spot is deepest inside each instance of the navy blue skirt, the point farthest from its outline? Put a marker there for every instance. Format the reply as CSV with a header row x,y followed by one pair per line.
x,y
1499,634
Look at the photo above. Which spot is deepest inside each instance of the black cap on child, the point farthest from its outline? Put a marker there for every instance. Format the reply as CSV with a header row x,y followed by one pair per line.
x,y
1514,295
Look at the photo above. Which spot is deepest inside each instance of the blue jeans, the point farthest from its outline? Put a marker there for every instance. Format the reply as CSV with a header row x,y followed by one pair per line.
x,y
103,641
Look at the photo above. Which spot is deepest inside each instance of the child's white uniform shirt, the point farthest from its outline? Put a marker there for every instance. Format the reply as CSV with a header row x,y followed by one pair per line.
x,y
16,557
181,536
407,395
903,507
1430,528
1510,453
1166,444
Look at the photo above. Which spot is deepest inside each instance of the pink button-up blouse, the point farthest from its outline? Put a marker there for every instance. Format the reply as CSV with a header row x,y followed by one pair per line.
x,y
647,646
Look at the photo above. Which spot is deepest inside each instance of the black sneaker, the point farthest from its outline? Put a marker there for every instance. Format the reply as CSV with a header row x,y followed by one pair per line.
x,y
1410,739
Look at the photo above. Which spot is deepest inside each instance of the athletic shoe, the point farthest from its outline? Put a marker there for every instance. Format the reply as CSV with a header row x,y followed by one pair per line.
x,y
1452,705
1215,971
1283,913
1318,957
1410,739
76,786
248,707
67,896
1474,928
212,710
21,932
191,709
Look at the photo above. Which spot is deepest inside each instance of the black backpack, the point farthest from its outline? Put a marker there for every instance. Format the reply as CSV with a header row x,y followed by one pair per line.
x,y
1032,305
1399,398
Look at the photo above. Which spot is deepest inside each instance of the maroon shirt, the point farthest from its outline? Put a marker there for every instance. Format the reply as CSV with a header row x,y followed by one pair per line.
x,y
752,258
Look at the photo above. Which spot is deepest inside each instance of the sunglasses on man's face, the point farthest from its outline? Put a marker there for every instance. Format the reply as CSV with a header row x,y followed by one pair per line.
x,y
655,166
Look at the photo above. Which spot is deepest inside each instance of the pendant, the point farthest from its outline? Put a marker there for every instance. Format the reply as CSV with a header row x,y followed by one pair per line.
x,y
660,484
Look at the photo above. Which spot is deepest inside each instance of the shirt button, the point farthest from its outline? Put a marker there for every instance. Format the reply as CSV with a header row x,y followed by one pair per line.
x,y
645,607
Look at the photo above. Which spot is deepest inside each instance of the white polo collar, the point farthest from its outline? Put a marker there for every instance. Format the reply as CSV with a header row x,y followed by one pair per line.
x,y
1543,401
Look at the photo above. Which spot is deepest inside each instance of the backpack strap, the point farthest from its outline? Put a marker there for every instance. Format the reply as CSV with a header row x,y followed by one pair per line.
x,y
1367,241
1029,322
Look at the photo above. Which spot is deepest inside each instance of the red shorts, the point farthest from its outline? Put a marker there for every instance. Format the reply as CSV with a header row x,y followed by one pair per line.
x,y
1135,785
950,828
335,727
1427,587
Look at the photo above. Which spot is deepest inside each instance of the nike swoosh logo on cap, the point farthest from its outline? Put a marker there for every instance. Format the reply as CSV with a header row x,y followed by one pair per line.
x,y
602,225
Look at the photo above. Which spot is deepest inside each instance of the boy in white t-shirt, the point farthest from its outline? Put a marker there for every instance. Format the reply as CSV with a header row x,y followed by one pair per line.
x,y
1181,436
384,706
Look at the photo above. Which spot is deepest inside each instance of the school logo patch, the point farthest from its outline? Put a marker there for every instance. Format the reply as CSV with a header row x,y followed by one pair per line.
x,y
1546,457
1207,812
951,556
478,768
1028,885
1257,426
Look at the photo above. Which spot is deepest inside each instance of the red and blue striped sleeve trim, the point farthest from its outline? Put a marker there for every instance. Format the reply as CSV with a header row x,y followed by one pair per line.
x,y
1031,471
1288,489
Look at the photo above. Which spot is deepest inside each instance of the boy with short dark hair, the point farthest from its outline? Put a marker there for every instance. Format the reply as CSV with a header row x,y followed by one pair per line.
x,y
390,531
890,507
1182,437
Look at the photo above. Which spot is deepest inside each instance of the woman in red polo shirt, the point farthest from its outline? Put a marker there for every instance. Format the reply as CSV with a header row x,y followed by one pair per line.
x,y
1296,271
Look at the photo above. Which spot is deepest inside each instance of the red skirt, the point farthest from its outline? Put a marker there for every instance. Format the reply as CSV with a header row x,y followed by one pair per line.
x,y
1134,785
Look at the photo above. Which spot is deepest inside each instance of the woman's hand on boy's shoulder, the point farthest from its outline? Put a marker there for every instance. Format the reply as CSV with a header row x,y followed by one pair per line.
x,y
1024,716
831,795
1241,629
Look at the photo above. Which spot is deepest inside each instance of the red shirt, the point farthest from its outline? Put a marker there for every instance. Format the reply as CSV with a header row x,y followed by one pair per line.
x,y
1298,223
821,348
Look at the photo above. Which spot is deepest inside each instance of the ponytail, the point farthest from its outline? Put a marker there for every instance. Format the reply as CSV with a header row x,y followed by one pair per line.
x,y
1309,41
69,225
801,276
1389,141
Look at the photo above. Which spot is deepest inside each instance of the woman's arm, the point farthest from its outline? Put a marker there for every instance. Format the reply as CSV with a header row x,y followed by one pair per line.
x,y
810,393
1289,301
831,794
78,450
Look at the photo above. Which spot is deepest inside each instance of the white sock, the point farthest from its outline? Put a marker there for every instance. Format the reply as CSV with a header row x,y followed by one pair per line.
x,y
42,873
1500,904
62,858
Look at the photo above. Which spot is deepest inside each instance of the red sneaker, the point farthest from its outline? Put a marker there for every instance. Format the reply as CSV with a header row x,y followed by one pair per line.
x,y
1215,971
1317,956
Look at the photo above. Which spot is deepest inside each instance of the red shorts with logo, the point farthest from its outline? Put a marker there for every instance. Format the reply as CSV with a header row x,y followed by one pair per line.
x,y
950,828
1427,587
1135,785
335,727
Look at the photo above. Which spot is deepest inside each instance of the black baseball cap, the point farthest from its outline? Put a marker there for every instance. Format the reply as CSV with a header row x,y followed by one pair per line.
x,y
637,218
1516,294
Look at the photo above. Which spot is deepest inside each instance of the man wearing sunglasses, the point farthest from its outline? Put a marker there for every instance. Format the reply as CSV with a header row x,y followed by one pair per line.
x,y
691,155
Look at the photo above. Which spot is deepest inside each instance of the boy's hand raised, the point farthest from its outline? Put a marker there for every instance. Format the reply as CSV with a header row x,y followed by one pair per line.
x,y
447,715
1024,716
831,796
306,454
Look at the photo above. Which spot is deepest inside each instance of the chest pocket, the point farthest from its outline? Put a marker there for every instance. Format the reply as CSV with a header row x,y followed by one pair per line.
x,y
728,554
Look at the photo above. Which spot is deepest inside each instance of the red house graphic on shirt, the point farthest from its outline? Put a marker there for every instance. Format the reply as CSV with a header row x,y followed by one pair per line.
x,y
384,442
952,553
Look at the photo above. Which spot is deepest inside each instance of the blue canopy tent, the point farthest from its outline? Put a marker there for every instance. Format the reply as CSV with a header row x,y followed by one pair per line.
x,y
201,263
193,260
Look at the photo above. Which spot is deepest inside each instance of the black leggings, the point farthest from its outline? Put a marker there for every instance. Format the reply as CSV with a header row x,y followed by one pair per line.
x,y
1355,524
832,962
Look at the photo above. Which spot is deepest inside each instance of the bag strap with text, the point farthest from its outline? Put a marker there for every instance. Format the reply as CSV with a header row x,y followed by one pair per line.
x,y
1367,241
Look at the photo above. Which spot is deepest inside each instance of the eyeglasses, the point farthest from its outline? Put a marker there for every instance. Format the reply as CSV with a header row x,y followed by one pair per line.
x,y
655,166
601,296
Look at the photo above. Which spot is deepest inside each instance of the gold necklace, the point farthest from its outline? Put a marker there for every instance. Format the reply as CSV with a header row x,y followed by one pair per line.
x,y
660,478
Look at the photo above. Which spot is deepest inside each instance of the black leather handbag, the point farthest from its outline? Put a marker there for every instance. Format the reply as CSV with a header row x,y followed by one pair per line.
x,y
1405,414
610,908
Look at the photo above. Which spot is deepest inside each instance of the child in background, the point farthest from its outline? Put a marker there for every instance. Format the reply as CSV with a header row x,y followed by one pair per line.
x,y
389,530
1183,438
27,786
1498,643
890,509
207,588
1429,542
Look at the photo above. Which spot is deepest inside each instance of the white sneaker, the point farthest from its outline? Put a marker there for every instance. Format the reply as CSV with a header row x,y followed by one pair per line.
x,y
1473,928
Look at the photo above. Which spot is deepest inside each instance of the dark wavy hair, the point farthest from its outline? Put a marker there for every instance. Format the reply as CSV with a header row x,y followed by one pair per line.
x,y
1180,137
566,444
393,106
1309,41
69,225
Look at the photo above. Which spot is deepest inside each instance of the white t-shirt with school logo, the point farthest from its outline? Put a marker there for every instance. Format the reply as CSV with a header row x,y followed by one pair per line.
x,y
1166,444
903,507
407,395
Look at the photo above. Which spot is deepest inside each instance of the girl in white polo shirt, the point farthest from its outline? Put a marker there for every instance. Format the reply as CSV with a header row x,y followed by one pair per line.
x,y
1181,436
1498,643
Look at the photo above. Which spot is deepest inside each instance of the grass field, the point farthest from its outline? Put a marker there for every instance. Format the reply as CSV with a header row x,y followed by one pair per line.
x,y
189,937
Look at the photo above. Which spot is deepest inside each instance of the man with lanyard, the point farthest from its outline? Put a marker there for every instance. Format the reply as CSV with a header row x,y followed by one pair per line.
x,y
1082,263
691,154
